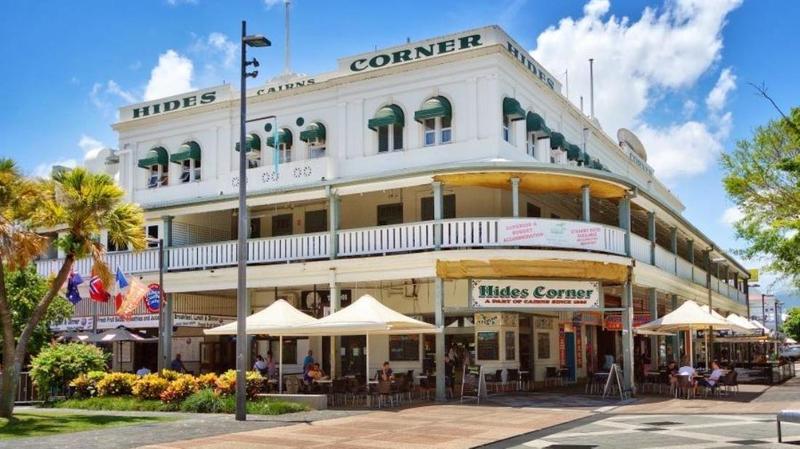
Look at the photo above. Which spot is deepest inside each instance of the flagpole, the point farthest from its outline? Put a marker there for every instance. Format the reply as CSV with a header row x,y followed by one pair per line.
x,y
94,317
162,332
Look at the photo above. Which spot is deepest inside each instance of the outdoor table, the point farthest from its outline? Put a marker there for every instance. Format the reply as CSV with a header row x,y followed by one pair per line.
x,y
325,384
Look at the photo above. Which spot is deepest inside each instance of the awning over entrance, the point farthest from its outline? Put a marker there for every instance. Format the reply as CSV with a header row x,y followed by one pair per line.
x,y
284,137
189,150
156,156
252,142
314,131
433,108
387,115
512,109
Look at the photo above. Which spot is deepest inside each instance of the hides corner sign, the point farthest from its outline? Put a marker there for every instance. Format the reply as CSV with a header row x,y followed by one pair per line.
x,y
551,294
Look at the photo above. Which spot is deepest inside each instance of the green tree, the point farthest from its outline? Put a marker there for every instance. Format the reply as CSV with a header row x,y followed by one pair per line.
x,y
25,287
78,204
791,326
762,177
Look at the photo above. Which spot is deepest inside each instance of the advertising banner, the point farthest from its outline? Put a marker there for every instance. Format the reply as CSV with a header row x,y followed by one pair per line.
x,y
552,233
534,294
613,321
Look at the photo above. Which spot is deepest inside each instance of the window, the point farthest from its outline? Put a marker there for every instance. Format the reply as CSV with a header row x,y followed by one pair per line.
x,y
190,170
151,231
543,345
506,129
289,355
438,131
531,144
316,149
430,132
488,346
388,123
255,228
404,348
316,221
534,211
285,152
281,225
254,162
314,137
511,345
390,214
448,207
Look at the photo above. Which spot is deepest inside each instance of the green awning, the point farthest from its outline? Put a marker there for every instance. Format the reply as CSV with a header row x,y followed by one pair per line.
x,y
433,108
156,156
253,143
387,115
314,131
535,123
596,164
512,109
557,140
573,152
284,137
189,150
586,160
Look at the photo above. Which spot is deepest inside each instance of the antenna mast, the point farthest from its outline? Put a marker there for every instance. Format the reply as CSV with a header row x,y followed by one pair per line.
x,y
287,56
591,88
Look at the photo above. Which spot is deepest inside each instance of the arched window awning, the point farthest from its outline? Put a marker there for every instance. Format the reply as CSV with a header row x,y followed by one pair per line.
x,y
597,165
156,156
314,131
189,150
573,152
252,142
512,109
433,108
586,160
387,115
557,140
284,137
534,123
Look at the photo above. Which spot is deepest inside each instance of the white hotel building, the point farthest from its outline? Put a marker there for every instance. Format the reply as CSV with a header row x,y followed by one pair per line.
x,y
416,174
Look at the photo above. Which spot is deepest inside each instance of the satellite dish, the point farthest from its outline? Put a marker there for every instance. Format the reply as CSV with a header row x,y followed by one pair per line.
x,y
627,137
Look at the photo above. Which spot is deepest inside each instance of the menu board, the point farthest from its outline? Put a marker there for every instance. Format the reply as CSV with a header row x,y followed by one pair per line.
x,y
578,347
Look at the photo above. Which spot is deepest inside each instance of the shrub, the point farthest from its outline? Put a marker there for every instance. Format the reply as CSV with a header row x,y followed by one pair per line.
x,y
169,374
203,401
180,388
58,364
226,383
116,384
85,385
150,386
208,380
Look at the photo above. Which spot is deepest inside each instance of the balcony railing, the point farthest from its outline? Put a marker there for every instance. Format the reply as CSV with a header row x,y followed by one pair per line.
x,y
408,237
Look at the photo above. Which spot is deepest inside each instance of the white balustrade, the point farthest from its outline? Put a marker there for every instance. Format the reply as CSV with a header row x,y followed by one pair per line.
x,y
470,233
127,261
665,259
640,248
684,269
699,276
284,249
386,239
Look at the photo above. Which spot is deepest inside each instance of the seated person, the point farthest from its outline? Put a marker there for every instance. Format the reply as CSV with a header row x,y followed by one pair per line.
x,y
272,370
313,373
672,373
260,365
386,373
143,371
713,379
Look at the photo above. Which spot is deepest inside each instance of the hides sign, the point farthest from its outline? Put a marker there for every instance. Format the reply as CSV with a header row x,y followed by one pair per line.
x,y
534,294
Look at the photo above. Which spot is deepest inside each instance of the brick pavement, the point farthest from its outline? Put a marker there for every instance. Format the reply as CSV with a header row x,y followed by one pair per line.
x,y
424,427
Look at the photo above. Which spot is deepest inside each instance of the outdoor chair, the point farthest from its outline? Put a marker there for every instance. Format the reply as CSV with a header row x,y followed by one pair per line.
x,y
384,393
731,381
684,386
340,391
552,376
430,387
514,382
404,387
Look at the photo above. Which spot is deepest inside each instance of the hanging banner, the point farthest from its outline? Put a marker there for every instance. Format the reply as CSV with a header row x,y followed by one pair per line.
x,y
141,321
534,294
613,321
153,298
578,346
562,346
552,233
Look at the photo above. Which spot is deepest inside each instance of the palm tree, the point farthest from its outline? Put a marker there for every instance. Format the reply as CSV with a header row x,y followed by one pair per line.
x,y
77,203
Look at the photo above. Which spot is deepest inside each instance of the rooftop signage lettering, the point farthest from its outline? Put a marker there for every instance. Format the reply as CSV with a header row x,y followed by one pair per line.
x,y
520,55
416,52
273,88
174,105
640,163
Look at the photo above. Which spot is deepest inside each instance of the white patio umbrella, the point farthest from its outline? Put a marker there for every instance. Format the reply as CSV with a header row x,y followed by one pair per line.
x,y
366,316
689,316
790,341
742,322
279,319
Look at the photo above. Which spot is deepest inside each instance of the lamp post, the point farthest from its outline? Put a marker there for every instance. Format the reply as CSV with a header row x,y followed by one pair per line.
x,y
163,339
241,290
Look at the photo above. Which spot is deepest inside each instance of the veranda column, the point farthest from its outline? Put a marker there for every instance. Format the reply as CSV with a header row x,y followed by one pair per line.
x,y
437,214
625,221
651,235
333,222
515,197
169,305
586,203
691,256
676,340
441,393
336,304
627,333
652,305
673,234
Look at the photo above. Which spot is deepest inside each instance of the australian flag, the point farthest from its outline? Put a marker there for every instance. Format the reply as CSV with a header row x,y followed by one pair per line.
x,y
73,281
97,291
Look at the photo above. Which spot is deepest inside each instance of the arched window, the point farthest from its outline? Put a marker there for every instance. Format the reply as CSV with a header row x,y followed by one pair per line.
x,y
558,147
284,145
156,162
512,112
536,129
253,149
314,137
188,156
388,123
436,116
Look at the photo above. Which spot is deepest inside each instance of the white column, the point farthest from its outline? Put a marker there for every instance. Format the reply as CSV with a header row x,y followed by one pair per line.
x,y
441,393
515,197
541,150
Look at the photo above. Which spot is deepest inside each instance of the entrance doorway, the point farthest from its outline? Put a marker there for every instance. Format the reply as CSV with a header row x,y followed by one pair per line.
x,y
145,355
353,351
569,343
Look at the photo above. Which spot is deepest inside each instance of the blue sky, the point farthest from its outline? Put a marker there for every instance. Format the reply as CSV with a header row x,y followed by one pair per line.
x,y
69,65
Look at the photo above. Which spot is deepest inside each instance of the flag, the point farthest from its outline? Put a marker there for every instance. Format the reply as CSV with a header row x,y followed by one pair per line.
x,y
97,291
73,281
122,284
134,295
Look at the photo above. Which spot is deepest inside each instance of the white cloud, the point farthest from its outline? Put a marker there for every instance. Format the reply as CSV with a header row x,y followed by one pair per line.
x,y
90,146
716,99
731,215
271,3
689,106
179,2
109,95
636,64
44,170
172,75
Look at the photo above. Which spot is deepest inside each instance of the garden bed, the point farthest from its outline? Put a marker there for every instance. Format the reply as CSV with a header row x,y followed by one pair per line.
x,y
204,401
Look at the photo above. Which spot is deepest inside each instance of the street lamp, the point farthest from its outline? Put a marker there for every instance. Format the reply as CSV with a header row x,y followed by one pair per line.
x,y
241,290
164,343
